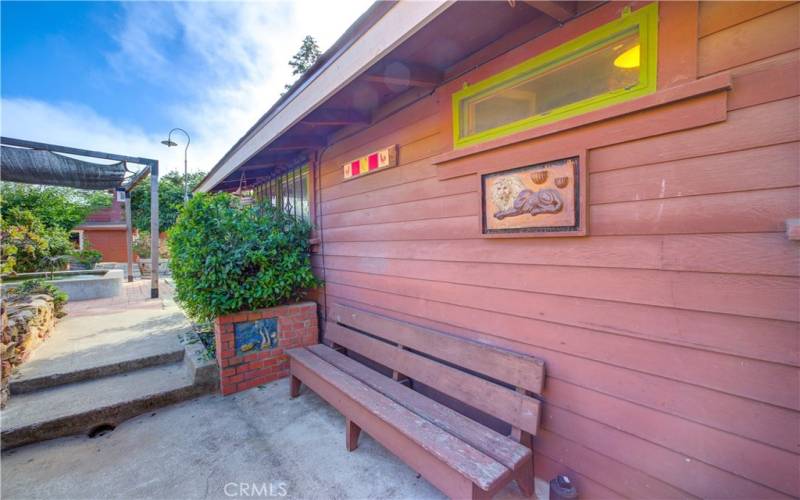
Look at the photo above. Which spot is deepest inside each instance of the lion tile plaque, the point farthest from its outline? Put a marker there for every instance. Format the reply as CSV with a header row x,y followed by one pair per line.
x,y
545,199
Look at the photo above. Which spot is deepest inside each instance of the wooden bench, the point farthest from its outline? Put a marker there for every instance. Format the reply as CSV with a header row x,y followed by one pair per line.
x,y
460,456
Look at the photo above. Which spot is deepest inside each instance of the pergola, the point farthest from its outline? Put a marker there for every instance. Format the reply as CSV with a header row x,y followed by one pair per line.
x,y
40,163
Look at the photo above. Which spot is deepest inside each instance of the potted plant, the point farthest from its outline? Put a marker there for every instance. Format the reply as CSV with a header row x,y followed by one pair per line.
x,y
141,247
246,268
86,258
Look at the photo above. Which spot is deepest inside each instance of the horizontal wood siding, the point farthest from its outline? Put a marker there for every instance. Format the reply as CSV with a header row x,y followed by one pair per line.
x,y
671,334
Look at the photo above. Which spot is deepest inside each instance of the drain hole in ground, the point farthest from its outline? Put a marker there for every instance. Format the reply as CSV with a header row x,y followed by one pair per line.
x,y
100,430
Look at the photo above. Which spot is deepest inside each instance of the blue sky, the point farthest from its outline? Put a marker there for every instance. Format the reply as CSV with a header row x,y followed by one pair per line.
x,y
117,76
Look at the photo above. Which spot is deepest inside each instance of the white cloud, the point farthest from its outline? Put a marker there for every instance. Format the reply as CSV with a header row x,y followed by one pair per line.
x,y
237,57
78,126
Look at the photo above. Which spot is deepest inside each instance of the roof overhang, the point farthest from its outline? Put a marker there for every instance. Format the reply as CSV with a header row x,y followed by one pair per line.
x,y
351,56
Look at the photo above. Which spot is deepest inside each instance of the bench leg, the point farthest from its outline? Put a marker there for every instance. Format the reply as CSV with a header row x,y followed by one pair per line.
x,y
479,494
524,478
524,474
352,431
294,389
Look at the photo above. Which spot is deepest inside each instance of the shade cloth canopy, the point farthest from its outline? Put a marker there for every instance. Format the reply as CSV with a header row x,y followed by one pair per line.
x,y
33,166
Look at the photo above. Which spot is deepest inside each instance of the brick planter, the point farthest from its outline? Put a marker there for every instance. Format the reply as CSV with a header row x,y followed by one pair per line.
x,y
251,345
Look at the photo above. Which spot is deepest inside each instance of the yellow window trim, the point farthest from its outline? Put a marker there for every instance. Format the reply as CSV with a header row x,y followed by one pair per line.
x,y
646,18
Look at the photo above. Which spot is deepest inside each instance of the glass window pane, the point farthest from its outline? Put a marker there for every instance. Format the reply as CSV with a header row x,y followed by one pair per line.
x,y
298,196
293,182
271,192
304,193
287,205
289,192
285,188
607,66
290,185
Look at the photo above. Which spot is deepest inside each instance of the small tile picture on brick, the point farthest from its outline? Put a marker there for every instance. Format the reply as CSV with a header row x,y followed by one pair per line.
x,y
251,345
254,336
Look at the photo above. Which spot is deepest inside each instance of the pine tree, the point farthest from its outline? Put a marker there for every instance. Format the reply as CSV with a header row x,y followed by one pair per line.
x,y
305,57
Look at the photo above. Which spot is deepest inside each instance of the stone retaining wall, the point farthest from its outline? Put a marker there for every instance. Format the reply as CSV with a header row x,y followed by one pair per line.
x,y
26,322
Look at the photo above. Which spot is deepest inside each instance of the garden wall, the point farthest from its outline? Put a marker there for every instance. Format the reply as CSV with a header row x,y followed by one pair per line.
x,y
26,322
670,333
251,345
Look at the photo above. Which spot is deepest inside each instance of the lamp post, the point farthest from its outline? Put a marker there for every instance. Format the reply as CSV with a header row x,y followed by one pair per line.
x,y
169,143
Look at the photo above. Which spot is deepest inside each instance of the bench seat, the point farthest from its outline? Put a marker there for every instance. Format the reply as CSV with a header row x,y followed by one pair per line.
x,y
508,452
399,429
458,455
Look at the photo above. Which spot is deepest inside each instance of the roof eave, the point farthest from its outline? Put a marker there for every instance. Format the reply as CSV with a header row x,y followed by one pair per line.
x,y
371,37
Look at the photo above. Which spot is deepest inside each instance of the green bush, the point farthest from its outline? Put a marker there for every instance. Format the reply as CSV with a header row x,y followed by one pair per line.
x,y
88,257
56,207
170,200
36,221
226,257
28,245
37,286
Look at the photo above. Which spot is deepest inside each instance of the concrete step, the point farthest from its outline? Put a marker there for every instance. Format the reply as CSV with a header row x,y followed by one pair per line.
x,y
26,382
84,348
87,405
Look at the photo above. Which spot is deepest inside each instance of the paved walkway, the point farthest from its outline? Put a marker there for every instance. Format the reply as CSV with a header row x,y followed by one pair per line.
x,y
107,360
219,447
105,332
135,295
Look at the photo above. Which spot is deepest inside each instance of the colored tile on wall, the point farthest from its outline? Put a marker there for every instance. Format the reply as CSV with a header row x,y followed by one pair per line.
x,y
254,336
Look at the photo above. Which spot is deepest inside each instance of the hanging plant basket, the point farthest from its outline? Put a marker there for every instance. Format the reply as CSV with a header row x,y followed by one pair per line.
x,y
245,196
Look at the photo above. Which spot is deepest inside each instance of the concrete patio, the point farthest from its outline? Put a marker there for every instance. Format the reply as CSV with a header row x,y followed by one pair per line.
x,y
255,443
107,360
219,447
101,333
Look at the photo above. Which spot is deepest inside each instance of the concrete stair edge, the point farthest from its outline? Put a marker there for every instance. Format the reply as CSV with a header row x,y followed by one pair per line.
x,y
200,376
33,384
203,371
84,422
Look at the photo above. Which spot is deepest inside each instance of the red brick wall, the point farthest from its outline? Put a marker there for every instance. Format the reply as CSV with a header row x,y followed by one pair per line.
x,y
113,213
297,327
110,243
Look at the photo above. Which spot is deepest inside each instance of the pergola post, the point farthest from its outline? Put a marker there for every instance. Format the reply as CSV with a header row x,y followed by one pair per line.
x,y
154,236
129,234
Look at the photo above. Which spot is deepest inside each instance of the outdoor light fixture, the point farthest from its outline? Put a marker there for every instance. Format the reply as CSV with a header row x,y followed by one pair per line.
x,y
628,59
169,143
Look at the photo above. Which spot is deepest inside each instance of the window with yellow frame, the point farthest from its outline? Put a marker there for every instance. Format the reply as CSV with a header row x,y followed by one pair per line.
x,y
611,64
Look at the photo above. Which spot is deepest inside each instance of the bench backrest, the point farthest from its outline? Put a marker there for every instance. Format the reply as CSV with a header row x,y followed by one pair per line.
x,y
524,373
